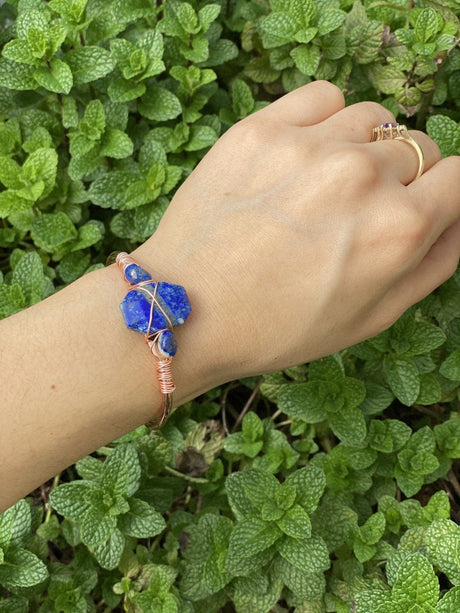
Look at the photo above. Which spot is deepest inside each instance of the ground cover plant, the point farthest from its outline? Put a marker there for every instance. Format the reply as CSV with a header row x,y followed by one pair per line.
x,y
330,487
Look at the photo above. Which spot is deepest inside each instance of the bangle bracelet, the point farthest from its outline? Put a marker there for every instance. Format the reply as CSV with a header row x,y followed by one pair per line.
x,y
154,308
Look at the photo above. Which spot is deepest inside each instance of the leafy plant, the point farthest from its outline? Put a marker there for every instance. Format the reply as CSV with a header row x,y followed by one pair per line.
x,y
329,487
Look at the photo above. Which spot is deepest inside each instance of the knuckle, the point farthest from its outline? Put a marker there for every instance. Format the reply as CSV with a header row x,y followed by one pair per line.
x,y
249,132
327,88
453,163
412,228
356,166
376,111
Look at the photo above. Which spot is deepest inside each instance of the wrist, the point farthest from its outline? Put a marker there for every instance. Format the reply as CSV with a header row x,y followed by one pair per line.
x,y
201,359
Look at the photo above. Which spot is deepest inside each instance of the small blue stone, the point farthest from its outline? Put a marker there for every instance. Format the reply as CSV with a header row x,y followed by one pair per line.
x,y
172,299
135,274
167,344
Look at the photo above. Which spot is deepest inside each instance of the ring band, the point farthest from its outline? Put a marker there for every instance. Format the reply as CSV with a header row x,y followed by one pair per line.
x,y
396,131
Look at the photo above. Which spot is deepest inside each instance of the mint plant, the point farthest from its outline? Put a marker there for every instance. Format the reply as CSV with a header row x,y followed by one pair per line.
x,y
329,487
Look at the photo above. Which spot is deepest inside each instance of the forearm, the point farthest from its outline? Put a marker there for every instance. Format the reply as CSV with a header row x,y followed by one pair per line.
x,y
73,378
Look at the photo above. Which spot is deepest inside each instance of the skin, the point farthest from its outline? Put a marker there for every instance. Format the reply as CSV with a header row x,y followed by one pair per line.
x,y
295,237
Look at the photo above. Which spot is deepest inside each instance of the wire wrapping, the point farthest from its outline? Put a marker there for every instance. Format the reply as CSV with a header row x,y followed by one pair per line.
x,y
163,364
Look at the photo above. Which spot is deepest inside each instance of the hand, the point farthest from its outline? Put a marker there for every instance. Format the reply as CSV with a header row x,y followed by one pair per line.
x,y
296,237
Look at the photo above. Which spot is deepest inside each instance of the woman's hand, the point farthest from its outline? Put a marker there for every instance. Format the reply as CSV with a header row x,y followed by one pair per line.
x,y
296,237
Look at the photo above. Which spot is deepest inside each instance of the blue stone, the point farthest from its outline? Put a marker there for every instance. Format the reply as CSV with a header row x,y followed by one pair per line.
x,y
135,274
167,344
172,299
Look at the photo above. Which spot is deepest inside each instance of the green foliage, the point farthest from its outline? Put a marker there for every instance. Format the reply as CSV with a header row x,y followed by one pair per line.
x,y
320,489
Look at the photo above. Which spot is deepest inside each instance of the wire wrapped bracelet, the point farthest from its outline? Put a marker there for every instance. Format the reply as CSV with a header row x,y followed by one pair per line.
x,y
153,308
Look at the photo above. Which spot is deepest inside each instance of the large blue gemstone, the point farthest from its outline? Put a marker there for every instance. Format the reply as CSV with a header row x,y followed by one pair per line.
x,y
172,299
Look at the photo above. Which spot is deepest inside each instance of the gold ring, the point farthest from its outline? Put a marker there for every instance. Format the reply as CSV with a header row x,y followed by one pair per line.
x,y
398,131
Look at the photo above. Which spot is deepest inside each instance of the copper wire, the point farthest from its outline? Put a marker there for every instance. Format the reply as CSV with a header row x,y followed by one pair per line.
x,y
163,365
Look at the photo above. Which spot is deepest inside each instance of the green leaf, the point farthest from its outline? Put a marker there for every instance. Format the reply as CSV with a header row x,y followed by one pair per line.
x,y
349,426
37,41
116,144
450,602
450,368
187,17
430,389
403,378
250,536
141,521
160,104
329,20
271,511
448,437
121,90
295,523
445,132
309,483
201,137
15,525
252,427
16,76
108,553
207,14
416,581
89,63
258,593
111,190
21,568
52,231
248,491
30,19
443,543
303,11
204,572
28,274
72,10
426,25
122,472
41,165
242,99
56,78
372,530
306,586
69,499
20,51
280,28
388,79
308,555
88,234
306,58
14,604
307,401
97,525
10,173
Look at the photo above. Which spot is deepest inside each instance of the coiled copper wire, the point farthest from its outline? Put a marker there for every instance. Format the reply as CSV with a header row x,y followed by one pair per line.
x,y
163,365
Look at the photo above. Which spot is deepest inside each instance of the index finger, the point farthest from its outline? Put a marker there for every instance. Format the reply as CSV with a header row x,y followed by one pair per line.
x,y
307,105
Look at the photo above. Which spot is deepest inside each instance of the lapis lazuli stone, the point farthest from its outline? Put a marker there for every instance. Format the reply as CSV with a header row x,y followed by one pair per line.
x,y
167,344
134,274
172,299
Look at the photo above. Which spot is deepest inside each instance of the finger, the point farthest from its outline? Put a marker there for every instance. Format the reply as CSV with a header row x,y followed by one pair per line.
x,y
307,105
438,265
399,159
437,195
355,122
